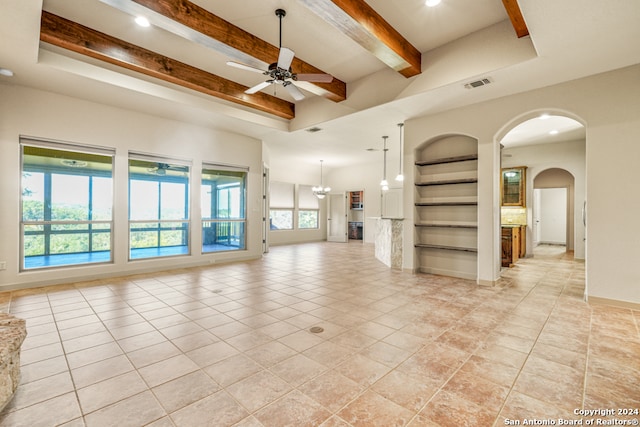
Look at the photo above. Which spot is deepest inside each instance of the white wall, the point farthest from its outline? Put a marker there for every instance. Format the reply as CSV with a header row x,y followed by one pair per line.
x,y
609,106
41,114
298,174
570,156
367,177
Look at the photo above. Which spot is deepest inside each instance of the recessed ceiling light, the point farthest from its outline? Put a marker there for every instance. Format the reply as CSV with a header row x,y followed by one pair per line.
x,y
142,21
6,72
544,116
432,3
553,132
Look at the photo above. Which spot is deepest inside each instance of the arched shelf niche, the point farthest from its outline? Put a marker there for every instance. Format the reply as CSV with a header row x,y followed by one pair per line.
x,y
446,206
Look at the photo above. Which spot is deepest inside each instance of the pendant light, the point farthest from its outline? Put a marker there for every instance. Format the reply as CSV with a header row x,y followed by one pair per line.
x,y
320,191
400,176
384,184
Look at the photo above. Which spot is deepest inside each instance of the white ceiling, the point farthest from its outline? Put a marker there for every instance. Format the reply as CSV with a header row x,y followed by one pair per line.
x,y
569,39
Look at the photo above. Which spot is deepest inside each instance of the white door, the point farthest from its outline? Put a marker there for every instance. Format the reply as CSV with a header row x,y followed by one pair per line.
x,y
553,216
265,209
536,217
337,217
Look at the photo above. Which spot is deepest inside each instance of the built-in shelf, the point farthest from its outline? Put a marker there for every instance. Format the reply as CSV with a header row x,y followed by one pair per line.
x,y
446,225
446,203
446,200
444,160
448,182
448,248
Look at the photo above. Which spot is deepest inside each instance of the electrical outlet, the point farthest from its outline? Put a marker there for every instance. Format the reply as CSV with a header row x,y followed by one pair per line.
x,y
3,265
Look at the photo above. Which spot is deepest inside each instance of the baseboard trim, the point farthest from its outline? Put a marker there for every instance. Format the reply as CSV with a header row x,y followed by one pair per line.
x,y
450,273
613,302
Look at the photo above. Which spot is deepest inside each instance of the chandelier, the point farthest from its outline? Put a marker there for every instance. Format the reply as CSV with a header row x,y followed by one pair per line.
x,y
321,191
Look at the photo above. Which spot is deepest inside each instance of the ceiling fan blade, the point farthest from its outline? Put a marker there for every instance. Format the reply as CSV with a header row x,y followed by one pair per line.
x,y
316,78
258,88
285,58
245,67
294,92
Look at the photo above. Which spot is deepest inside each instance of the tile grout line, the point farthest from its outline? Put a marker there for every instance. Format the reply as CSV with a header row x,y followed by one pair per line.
x,y
504,402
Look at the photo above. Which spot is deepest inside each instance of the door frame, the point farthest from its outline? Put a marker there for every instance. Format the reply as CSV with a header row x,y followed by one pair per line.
x,y
335,213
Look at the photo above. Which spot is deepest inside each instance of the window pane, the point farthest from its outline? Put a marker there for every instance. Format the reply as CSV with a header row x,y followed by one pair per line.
x,y
63,244
144,199
158,239
173,203
101,241
220,236
281,219
223,199
157,190
307,219
205,200
63,192
102,199
33,240
144,235
32,196
225,194
69,197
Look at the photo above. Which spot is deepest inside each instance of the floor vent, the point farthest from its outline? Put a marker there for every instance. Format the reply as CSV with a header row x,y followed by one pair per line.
x,y
477,83
314,129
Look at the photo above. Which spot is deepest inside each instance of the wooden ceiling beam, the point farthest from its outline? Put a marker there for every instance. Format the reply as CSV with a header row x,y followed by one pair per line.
x,y
365,26
70,35
196,24
515,15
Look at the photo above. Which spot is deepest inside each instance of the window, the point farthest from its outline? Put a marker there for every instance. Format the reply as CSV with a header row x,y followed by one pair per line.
x,y
308,208
223,200
281,206
67,199
158,207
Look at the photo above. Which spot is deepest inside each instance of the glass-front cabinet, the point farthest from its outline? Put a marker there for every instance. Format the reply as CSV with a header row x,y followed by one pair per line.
x,y
513,185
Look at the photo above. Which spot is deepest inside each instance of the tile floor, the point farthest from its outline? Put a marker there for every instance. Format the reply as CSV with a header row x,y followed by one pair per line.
x,y
230,345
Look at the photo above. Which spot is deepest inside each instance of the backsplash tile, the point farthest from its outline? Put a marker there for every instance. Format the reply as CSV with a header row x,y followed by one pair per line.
x,y
513,215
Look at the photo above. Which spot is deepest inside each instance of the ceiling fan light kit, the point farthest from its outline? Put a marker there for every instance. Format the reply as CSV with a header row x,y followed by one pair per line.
x,y
280,72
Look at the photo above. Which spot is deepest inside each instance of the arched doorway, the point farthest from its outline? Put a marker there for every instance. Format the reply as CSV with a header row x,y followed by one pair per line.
x,y
545,141
553,208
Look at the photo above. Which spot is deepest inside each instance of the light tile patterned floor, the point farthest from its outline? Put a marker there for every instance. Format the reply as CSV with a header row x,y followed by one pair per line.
x,y
230,345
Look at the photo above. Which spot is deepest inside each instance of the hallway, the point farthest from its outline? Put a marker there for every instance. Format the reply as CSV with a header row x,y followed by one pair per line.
x,y
231,345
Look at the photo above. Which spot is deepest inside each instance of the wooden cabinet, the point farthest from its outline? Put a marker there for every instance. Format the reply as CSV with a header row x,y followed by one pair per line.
x,y
513,184
355,200
513,244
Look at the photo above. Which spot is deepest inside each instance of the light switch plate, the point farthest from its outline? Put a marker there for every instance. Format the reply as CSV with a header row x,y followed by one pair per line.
x,y
3,265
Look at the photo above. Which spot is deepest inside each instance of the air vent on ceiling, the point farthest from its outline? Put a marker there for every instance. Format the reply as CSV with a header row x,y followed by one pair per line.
x,y
314,129
478,83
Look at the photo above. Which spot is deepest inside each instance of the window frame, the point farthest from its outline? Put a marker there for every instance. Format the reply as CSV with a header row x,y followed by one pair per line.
x,y
49,170
282,200
230,225
308,203
161,226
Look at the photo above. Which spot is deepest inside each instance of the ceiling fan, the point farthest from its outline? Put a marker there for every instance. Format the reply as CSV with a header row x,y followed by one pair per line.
x,y
162,168
280,72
